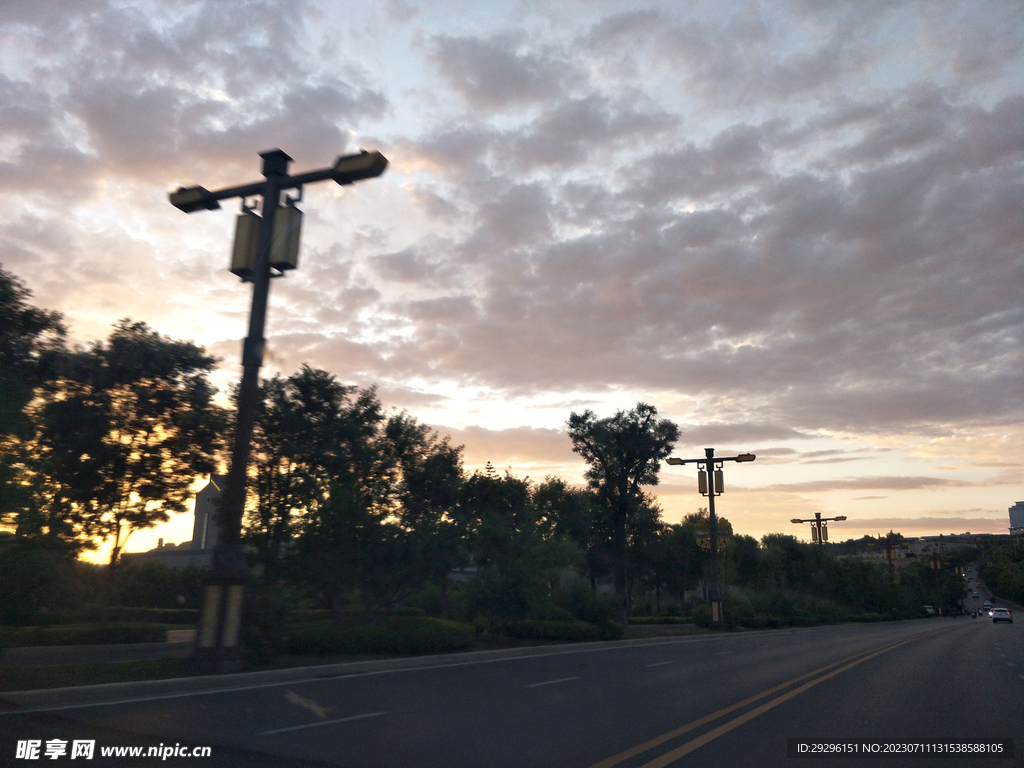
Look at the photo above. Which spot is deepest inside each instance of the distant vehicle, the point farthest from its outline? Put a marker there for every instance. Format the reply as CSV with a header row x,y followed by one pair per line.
x,y
988,604
1002,614
930,610
974,594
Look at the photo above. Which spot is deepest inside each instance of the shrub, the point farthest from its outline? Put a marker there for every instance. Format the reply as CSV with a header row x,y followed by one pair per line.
x,y
32,581
641,621
84,634
611,630
400,634
583,603
144,615
533,629
551,612
702,615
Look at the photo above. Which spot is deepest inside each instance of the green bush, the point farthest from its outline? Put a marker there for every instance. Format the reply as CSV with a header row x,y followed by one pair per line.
x,y
264,620
83,634
550,612
36,582
583,603
640,621
122,613
702,615
611,630
400,634
306,616
533,629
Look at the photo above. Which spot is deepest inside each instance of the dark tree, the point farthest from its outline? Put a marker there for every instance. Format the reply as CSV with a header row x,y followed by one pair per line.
x,y
576,514
31,347
304,425
31,343
121,436
624,453
518,557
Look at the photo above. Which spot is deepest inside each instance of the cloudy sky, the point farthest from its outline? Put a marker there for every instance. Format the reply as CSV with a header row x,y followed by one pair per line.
x,y
796,228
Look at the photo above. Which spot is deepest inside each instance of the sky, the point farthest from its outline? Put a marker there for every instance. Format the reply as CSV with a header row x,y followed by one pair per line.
x,y
795,228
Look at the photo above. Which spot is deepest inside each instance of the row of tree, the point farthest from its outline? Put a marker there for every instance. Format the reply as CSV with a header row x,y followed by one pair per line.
x,y
100,441
351,504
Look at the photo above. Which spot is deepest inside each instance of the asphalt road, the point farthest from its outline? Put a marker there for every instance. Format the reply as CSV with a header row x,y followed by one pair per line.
x,y
723,700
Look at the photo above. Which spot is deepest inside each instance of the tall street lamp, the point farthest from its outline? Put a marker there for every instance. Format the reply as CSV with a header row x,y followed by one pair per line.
x,y
262,242
710,483
819,532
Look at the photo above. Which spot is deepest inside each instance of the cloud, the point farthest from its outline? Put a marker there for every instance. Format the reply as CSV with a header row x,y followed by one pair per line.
x,y
869,483
928,526
513,447
736,434
796,222
500,72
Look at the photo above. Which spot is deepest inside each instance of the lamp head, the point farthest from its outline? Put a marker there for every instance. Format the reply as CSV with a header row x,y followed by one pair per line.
x,y
193,199
365,165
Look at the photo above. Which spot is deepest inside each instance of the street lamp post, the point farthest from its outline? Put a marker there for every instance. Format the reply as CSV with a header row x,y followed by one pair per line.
x,y
819,532
217,647
710,484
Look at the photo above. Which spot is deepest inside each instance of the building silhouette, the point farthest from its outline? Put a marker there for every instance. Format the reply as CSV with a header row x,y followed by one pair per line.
x,y
205,532
1017,518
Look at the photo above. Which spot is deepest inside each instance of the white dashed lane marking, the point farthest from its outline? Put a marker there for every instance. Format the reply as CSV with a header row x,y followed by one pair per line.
x,y
552,682
322,722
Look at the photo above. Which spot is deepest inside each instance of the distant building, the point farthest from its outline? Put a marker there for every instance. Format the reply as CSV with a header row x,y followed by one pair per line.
x,y
205,530
1017,518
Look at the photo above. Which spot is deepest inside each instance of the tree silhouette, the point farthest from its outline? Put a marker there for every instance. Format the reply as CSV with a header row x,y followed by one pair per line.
x,y
624,452
121,435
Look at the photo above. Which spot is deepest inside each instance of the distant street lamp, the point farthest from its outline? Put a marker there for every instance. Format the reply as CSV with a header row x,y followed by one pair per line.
x,y
710,483
819,532
262,242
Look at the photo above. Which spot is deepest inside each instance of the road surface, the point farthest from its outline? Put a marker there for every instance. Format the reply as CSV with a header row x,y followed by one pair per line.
x,y
733,699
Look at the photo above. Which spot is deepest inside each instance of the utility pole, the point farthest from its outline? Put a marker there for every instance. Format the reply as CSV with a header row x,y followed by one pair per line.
x,y
710,483
275,245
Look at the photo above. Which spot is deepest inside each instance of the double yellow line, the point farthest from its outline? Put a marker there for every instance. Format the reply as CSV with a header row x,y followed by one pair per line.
x,y
819,675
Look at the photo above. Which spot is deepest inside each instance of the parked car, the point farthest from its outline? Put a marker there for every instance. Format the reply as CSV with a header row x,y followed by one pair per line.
x,y
1002,614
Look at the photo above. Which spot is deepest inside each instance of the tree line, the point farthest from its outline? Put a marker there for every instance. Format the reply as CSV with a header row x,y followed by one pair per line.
x,y
355,507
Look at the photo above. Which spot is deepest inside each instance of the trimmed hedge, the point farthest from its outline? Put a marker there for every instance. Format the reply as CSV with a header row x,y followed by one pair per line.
x,y
399,634
152,615
640,621
83,634
534,629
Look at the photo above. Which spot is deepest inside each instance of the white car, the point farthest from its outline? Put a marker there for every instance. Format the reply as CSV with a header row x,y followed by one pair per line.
x,y
1001,614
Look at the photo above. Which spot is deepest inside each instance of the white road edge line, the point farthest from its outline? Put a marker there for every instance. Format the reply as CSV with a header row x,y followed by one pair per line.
x,y
552,682
659,663
323,722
